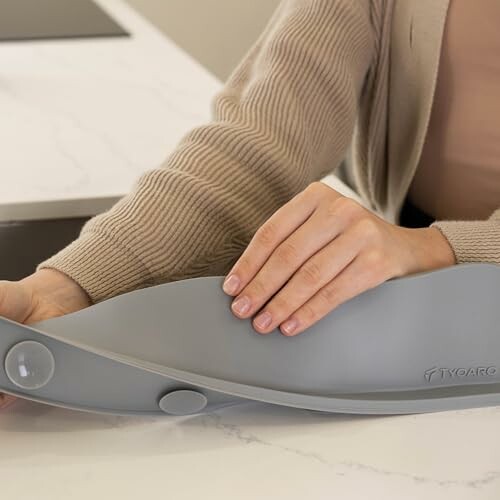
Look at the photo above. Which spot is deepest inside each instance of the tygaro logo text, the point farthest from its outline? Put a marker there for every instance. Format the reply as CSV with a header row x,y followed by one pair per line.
x,y
436,373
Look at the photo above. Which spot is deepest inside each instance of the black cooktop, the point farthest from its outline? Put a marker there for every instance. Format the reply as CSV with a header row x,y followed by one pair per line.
x,y
46,19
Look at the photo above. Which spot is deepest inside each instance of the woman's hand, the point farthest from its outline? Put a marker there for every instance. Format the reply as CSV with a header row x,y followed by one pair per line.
x,y
319,250
43,295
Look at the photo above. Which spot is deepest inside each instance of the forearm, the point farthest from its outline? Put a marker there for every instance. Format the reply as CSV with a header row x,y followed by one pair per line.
x,y
284,119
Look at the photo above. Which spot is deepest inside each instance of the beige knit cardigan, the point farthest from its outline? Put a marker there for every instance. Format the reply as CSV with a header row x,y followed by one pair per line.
x,y
325,80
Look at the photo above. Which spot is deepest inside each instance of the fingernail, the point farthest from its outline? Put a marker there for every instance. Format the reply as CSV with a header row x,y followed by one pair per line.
x,y
241,305
290,325
263,320
231,284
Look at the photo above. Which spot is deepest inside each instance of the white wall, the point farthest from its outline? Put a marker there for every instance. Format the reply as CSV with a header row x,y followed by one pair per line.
x,y
215,32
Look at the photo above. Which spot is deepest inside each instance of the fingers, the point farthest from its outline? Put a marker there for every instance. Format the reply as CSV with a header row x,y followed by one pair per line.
x,y
316,273
366,271
328,221
270,235
286,259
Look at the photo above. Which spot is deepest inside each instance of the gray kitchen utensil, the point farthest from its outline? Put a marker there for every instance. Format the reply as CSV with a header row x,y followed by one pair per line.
x,y
425,342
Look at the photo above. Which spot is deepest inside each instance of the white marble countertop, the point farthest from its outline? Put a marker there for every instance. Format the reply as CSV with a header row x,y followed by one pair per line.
x,y
81,119
252,451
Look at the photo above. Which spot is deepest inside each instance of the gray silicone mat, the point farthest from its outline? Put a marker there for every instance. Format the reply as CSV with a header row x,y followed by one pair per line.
x,y
426,342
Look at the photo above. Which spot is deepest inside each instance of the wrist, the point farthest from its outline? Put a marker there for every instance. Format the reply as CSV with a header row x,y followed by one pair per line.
x,y
428,249
58,288
444,251
436,250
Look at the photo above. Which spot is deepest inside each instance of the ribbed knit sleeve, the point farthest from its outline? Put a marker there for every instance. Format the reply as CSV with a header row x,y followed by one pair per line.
x,y
473,240
284,118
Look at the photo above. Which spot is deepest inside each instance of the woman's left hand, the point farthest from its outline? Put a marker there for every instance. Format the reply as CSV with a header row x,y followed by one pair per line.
x,y
319,250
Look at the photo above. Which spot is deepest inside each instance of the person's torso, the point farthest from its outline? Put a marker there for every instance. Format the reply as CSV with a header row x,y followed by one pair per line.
x,y
458,175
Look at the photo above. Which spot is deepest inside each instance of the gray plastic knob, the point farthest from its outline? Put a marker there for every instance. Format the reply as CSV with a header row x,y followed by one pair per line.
x,y
29,365
183,402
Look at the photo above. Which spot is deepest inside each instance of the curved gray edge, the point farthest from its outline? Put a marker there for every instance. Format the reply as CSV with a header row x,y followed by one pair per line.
x,y
109,411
